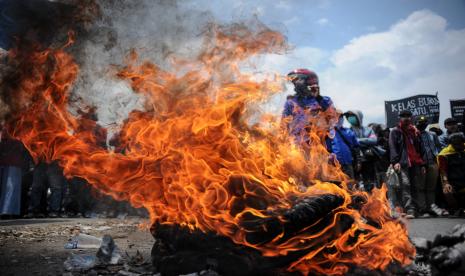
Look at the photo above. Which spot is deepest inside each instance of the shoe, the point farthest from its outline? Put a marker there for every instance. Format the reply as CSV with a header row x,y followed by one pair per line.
x,y
438,211
29,216
39,215
459,213
34,215
410,214
424,215
53,215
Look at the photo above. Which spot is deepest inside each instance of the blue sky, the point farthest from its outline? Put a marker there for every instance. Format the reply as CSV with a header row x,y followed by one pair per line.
x,y
365,51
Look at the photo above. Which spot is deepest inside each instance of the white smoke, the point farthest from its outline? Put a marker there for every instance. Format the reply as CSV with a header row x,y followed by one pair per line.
x,y
155,29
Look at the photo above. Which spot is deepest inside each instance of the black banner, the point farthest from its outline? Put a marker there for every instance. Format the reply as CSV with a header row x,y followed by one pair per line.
x,y
457,107
419,105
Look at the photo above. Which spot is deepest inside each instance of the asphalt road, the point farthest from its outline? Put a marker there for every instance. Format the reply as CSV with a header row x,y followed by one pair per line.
x,y
428,228
35,246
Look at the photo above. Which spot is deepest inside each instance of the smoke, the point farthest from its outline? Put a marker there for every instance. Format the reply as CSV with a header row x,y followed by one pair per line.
x,y
156,30
105,34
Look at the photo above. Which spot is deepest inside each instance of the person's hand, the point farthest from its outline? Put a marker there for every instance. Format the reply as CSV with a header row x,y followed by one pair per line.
x,y
358,167
447,188
332,158
397,167
423,170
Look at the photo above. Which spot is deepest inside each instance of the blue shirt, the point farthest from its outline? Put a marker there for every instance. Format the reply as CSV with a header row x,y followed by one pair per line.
x,y
340,148
301,109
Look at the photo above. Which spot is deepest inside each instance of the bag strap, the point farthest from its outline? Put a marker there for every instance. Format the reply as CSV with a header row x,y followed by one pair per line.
x,y
344,139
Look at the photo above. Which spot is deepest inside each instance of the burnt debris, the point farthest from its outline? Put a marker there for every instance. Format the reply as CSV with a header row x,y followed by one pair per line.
x,y
178,250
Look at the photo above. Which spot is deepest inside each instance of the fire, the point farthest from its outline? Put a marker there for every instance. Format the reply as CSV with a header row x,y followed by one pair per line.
x,y
194,158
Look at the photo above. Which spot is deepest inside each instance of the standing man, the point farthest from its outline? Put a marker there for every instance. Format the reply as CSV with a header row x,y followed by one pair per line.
x,y
45,176
12,162
406,151
304,104
452,168
367,139
426,189
451,127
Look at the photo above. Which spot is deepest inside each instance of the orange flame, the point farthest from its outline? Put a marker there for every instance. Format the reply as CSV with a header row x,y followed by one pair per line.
x,y
193,159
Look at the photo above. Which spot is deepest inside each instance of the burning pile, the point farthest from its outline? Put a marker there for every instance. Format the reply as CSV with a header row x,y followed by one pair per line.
x,y
201,156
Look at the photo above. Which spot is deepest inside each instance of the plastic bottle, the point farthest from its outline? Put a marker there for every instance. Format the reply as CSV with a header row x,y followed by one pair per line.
x,y
83,241
80,262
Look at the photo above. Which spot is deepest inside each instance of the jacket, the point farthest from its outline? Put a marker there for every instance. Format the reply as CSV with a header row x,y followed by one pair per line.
x,y
444,139
398,147
431,146
298,111
452,164
12,153
365,135
341,149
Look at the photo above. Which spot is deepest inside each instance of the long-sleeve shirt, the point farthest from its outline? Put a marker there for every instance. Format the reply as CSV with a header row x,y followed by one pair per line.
x,y
343,149
298,110
452,166
431,146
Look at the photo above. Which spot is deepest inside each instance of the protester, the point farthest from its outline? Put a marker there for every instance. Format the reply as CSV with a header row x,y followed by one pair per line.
x,y
12,162
46,176
306,102
451,127
452,169
346,148
427,183
382,149
78,198
78,201
367,140
405,151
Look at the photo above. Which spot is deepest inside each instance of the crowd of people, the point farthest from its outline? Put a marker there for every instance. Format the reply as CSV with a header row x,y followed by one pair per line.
x,y
39,189
423,168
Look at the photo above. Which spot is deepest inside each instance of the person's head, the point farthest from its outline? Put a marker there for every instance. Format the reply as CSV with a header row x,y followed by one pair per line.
x,y
457,141
305,82
436,130
352,119
377,128
405,117
421,123
451,125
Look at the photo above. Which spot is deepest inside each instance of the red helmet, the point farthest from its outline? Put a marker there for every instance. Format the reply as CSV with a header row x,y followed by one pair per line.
x,y
310,77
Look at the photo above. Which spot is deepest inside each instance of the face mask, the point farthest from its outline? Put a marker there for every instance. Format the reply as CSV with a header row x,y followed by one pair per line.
x,y
405,121
352,120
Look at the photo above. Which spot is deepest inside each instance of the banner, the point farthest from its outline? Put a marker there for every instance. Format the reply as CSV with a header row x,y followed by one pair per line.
x,y
457,107
419,105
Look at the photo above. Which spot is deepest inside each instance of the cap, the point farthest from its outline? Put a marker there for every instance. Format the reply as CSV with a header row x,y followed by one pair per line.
x,y
421,119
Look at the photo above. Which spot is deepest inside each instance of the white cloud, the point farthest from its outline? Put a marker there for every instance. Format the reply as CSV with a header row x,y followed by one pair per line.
x,y
284,5
291,21
322,21
416,55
